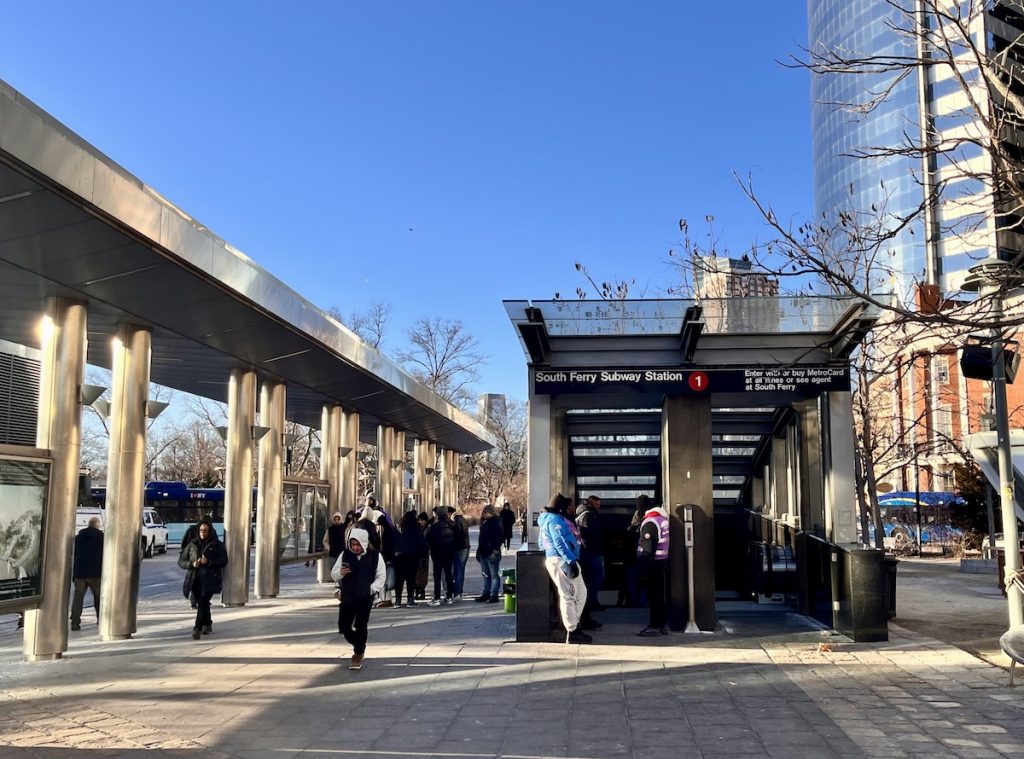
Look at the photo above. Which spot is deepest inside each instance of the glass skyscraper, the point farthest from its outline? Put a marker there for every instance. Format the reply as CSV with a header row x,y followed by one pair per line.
x,y
927,106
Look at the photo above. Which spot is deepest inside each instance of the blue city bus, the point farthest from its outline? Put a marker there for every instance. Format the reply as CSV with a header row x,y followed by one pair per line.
x,y
180,506
899,511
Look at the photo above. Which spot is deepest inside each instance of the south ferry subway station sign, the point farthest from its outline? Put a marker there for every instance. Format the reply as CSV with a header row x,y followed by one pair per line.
x,y
803,379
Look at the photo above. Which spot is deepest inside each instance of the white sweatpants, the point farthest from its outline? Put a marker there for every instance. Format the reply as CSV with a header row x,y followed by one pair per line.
x,y
572,594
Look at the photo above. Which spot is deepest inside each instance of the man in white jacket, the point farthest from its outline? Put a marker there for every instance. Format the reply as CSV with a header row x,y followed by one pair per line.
x,y
360,574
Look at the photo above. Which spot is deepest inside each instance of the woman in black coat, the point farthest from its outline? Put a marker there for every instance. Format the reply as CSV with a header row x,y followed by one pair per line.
x,y
410,548
203,559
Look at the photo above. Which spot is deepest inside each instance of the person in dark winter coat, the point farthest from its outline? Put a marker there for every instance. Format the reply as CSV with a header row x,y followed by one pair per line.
x,y
488,553
410,547
423,571
444,541
462,550
508,521
360,573
87,568
334,538
203,559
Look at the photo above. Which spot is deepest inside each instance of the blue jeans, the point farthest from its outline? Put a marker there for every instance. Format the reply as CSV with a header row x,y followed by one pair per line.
x,y
461,557
489,568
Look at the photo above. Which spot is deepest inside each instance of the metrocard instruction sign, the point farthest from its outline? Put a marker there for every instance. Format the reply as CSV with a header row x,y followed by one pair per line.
x,y
804,380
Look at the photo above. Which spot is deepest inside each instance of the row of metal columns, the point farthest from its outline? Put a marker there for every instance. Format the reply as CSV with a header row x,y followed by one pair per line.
x,y
63,347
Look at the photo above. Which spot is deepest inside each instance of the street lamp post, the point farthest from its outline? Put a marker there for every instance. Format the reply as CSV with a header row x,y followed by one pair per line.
x,y
987,278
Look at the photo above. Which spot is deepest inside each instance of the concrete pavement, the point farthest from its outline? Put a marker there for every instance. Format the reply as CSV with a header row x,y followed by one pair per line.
x,y
272,682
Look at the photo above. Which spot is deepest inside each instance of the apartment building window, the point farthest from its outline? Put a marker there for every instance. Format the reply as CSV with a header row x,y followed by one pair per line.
x,y
943,427
940,368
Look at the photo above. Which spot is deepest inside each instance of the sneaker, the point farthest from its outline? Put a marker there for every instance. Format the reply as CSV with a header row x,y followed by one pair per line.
x,y
492,600
357,662
481,599
435,602
412,603
195,633
663,630
75,628
456,597
578,636
399,605
385,605
447,601
649,632
207,629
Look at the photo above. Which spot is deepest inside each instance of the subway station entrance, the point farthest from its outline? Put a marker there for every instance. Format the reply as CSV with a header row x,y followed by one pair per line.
x,y
735,413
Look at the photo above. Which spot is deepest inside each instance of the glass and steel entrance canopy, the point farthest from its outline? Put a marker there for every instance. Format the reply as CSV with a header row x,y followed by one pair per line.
x,y
608,365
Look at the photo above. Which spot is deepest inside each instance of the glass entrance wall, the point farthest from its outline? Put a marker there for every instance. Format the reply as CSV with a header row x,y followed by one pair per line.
x,y
303,519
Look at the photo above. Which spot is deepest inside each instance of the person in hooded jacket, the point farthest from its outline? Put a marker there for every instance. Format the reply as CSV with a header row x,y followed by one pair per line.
x,y
443,541
360,573
561,545
652,563
410,545
203,559
508,521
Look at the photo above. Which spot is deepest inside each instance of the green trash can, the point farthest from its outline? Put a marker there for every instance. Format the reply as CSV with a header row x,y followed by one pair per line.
x,y
508,586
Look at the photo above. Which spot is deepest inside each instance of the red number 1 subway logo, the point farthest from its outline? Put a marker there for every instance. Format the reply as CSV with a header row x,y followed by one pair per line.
x,y
698,382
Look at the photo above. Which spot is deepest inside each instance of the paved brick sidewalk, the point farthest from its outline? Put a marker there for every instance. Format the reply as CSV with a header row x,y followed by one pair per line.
x,y
449,682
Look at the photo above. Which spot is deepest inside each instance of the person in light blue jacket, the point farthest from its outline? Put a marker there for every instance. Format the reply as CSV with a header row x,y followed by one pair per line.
x,y
561,544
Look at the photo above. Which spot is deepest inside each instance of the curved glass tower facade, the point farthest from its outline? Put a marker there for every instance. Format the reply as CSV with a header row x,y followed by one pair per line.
x,y
845,183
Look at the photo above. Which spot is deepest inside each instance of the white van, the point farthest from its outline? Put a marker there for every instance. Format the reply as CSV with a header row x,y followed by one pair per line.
x,y
84,513
154,533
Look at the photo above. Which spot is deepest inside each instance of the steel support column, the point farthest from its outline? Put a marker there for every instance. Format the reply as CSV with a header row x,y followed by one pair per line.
x,y
780,478
686,479
383,482
398,476
811,509
273,396
349,470
840,489
541,482
59,429
238,485
330,469
126,464
420,480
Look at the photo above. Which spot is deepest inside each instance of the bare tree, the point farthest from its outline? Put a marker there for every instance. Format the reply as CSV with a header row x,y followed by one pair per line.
x,y
501,471
370,325
445,357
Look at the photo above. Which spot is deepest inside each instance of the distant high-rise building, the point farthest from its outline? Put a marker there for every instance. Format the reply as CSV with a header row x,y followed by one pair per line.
x,y
718,277
491,407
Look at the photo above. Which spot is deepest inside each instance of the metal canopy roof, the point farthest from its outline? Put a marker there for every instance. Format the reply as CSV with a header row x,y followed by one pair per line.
x,y
603,426
75,224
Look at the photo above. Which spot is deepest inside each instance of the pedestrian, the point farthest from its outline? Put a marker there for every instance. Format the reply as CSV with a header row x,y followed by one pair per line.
x,y
386,530
442,542
334,537
561,548
410,546
652,564
423,570
367,520
462,552
360,574
588,523
508,521
88,565
630,593
488,553
524,524
203,558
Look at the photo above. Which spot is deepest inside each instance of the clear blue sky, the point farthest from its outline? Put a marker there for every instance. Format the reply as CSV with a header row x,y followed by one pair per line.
x,y
440,156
